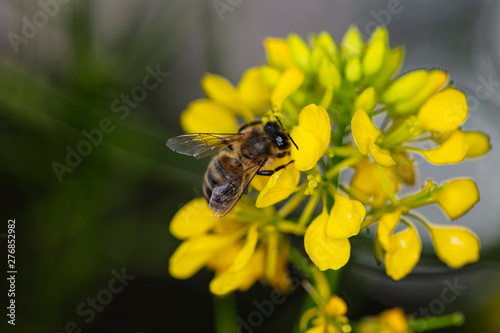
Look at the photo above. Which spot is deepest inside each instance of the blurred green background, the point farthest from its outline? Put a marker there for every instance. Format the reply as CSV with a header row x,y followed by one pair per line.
x,y
63,72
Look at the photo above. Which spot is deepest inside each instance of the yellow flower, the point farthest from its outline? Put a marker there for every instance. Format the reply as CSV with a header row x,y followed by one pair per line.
x,y
456,246
352,44
192,220
479,143
402,250
385,227
366,100
289,81
376,52
453,150
329,75
221,245
444,111
345,218
408,92
279,187
195,252
457,197
388,321
366,184
326,239
335,307
326,253
206,116
365,135
312,136
323,317
403,253
278,53
216,114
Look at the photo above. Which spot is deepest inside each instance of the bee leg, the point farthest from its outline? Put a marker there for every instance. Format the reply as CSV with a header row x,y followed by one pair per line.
x,y
271,172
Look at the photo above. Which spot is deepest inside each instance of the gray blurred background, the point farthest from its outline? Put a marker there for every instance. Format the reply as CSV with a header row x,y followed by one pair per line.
x,y
63,72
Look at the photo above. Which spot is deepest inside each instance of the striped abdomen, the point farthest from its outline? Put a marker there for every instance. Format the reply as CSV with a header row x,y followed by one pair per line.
x,y
221,169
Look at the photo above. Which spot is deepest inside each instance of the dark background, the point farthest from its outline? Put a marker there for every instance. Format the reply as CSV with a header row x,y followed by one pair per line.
x,y
111,212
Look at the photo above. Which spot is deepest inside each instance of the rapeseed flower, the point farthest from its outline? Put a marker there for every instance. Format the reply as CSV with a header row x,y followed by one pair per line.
x,y
344,105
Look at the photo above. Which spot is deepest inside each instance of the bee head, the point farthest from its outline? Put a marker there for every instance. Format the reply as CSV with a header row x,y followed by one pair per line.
x,y
279,135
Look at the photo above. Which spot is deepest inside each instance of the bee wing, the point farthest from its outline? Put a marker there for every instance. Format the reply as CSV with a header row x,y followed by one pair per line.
x,y
201,144
226,195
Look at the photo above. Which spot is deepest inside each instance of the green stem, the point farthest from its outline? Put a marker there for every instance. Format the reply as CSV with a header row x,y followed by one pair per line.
x,y
434,323
397,136
305,217
293,203
225,314
385,184
420,219
347,162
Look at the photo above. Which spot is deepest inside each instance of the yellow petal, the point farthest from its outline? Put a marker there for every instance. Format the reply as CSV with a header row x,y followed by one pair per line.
x,y
329,75
435,80
279,187
220,90
336,307
242,279
352,43
206,116
457,197
345,218
327,46
353,70
326,253
278,53
366,183
195,252
254,92
479,143
386,226
312,136
444,111
456,246
224,260
363,131
290,80
381,156
403,255
394,320
367,100
405,86
192,219
300,52
452,150
248,249
317,56
392,64
270,76
376,52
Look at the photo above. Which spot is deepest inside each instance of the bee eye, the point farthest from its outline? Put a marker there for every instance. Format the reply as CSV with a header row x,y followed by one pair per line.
x,y
282,142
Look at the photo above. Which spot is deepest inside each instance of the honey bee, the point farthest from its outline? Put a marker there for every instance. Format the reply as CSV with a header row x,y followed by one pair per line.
x,y
250,151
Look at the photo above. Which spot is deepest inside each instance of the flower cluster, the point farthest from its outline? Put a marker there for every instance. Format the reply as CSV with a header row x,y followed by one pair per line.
x,y
345,106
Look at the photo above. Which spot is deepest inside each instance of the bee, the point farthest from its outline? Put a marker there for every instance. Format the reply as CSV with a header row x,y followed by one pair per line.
x,y
250,151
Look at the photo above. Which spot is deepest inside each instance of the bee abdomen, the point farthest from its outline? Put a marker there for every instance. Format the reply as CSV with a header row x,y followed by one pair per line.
x,y
220,171
209,183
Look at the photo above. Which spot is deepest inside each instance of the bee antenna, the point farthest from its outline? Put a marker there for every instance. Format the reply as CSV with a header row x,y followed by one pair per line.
x,y
279,121
293,142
